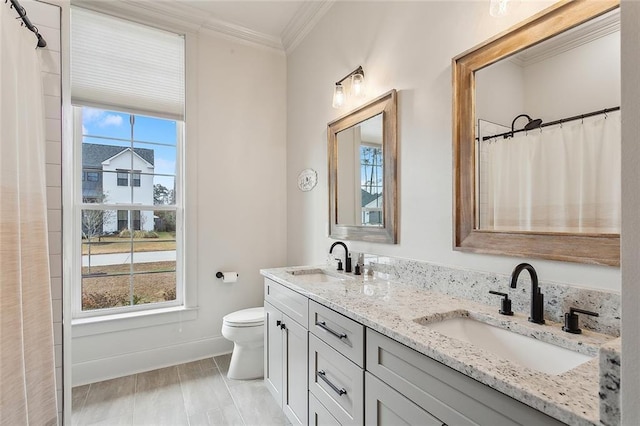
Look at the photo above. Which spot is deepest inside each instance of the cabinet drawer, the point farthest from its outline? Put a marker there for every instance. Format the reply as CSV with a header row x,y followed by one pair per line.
x,y
336,382
318,415
292,304
384,406
445,393
341,333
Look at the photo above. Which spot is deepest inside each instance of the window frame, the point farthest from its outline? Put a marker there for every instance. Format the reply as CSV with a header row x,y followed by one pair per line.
x,y
79,206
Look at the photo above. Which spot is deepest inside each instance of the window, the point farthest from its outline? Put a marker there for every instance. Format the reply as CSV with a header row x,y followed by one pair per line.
x,y
112,276
371,184
123,178
132,204
123,220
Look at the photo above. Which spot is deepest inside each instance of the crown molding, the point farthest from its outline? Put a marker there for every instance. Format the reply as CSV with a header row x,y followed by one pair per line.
x,y
219,26
576,37
307,16
183,18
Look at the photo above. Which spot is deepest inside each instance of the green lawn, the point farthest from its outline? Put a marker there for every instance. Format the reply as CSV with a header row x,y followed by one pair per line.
x,y
106,245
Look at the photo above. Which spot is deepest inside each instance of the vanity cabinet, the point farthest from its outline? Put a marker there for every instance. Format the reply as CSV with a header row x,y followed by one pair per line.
x,y
318,415
385,406
341,333
286,356
325,368
336,382
336,363
449,396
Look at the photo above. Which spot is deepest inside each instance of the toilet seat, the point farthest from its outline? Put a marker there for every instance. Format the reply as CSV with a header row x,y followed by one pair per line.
x,y
245,318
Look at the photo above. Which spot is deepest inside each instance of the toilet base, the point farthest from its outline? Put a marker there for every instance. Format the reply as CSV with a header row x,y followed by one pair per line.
x,y
246,362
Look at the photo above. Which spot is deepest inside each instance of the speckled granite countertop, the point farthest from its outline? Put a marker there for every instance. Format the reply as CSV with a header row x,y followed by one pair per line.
x,y
402,312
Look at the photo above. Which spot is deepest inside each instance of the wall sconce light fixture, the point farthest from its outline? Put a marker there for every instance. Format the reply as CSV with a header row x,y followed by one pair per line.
x,y
498,8
356,85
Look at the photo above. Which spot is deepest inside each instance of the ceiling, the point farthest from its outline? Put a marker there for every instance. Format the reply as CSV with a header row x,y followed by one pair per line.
x,y
279,24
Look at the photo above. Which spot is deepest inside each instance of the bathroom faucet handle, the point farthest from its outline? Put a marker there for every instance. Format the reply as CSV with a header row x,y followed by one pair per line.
x,y
339,264
571,320
505,303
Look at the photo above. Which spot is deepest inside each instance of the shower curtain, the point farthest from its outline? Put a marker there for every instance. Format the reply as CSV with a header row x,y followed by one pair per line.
x,y
562,179
27,367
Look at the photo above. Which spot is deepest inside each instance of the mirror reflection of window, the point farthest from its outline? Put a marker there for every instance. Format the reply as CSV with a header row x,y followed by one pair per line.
x,y
562,177
360,174
371,184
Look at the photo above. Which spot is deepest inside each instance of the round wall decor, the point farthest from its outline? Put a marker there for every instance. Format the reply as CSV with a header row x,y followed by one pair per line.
x,y
307,179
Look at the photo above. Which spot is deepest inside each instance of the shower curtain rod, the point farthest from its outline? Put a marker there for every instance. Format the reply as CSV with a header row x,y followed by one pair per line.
x,y
23,15
552,123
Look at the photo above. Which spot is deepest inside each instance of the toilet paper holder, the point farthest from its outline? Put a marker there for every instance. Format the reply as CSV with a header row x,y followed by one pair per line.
x,y
221,275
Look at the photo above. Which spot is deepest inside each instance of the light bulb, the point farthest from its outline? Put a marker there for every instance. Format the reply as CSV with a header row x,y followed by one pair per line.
x,y
357,85
338,96
498,8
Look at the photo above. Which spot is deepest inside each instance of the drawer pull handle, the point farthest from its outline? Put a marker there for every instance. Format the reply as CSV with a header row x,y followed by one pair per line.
x,y
323,326
323,376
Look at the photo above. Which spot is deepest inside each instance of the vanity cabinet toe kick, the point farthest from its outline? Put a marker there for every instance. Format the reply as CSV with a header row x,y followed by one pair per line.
x,y
353,375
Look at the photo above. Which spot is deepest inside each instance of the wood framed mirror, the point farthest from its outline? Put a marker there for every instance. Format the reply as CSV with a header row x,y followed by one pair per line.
x,y
573,244
363,152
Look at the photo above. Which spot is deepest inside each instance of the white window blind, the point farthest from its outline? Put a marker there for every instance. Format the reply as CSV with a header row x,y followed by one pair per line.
x,y
126,66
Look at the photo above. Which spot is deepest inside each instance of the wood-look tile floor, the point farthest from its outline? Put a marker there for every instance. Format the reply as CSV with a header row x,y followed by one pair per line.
x,y
192,394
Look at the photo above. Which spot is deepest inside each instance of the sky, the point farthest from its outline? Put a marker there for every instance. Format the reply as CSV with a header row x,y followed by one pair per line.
x,y
111,124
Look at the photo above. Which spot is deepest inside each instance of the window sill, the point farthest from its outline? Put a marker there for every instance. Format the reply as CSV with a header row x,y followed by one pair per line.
x,y
131,320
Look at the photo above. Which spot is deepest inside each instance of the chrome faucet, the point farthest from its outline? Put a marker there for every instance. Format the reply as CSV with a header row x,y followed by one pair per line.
x,y
537,298
347,258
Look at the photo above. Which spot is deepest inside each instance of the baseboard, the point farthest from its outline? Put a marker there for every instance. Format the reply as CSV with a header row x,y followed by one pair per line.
x,y
137,362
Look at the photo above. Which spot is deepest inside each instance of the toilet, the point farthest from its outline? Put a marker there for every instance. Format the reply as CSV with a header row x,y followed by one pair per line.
x,y
245,329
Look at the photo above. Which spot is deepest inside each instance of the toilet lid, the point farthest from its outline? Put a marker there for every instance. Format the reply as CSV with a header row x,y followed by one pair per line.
x,y
245,318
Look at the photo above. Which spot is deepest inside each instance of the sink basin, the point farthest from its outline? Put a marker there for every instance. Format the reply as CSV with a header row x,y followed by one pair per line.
x,y
316,275
526,351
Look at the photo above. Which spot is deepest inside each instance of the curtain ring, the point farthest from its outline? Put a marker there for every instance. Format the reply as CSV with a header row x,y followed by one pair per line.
x,y
561,123
605,114
582,119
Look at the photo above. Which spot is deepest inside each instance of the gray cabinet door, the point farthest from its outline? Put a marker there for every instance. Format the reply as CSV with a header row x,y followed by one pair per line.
x,y
294,391
287,301
319,415
341,333
452,396
384,406
273,344
336,382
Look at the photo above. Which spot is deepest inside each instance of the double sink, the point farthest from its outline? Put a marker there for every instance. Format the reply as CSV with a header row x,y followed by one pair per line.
x,y
497,339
